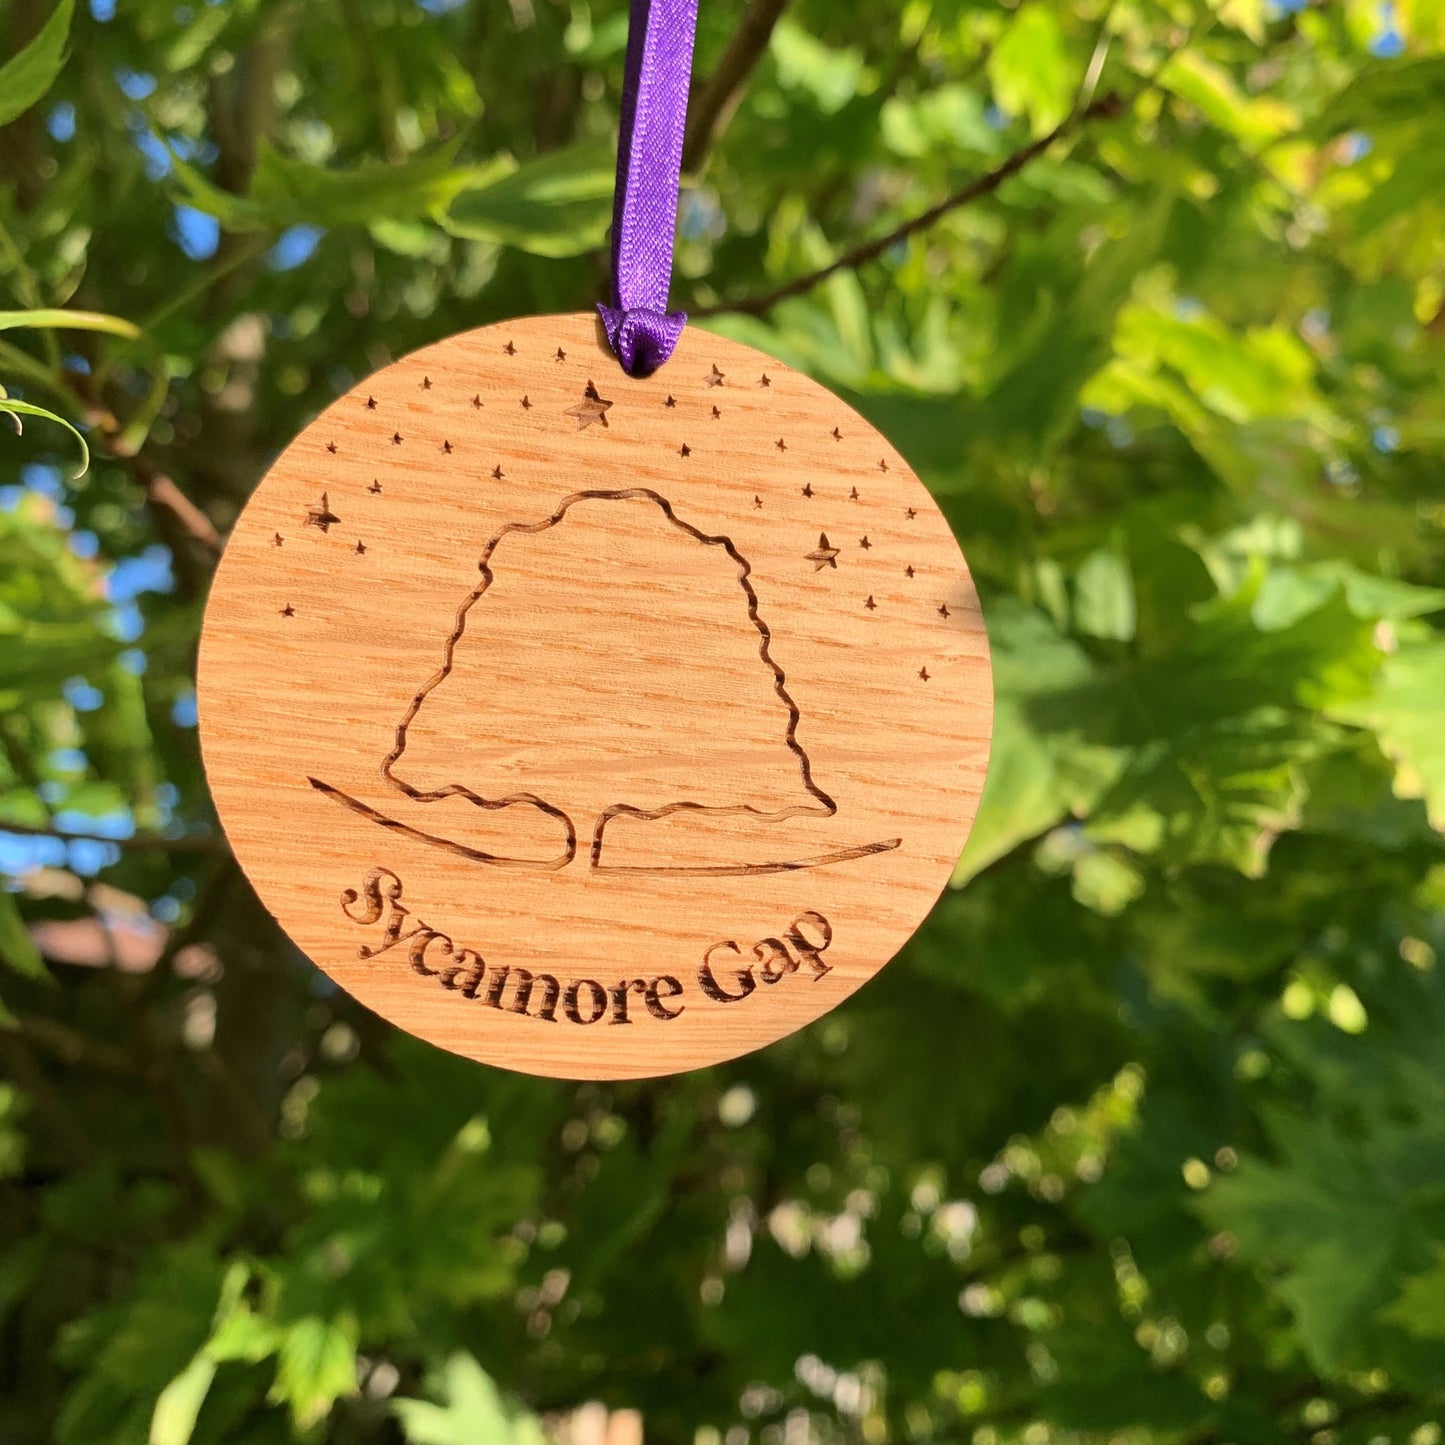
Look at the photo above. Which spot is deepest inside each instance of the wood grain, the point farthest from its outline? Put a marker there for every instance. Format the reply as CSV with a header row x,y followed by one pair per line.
x,y
591,726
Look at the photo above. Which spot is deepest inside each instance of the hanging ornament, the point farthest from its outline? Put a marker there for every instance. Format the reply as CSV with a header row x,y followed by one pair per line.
x,y
597,723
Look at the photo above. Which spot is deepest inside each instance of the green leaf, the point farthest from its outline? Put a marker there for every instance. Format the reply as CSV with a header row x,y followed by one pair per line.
x,y
286,192
129,1352
1105,883
1289,593
1104,597
245,1335
289,192
179,1404
239,1332
415,239
1420,1306
16,409
25,77
1030,69
236,213
1250,16
1032,406
63,320
1229,380
1036,777
1404,713
830,78
951,115
1341,1211
557,205
1220,793
315,1368
474,1412
1215,734
1210,88
17,948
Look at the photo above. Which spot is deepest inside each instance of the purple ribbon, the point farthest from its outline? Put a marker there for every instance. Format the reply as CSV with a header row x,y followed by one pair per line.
x,y
641,329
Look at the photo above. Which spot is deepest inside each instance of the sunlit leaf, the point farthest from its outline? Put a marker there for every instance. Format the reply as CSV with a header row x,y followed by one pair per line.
x,y
179,1404
1030,69
558,205
473,1410
316,1365
1404,711
14,409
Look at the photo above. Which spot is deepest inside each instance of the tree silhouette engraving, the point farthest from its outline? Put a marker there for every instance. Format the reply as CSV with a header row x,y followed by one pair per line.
x,y
642,728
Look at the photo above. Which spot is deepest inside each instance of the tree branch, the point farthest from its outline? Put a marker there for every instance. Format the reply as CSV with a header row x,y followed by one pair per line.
x,y
1107,107
712,108
162,492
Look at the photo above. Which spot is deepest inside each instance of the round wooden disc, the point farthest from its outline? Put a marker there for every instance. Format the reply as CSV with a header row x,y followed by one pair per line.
x,y
595,727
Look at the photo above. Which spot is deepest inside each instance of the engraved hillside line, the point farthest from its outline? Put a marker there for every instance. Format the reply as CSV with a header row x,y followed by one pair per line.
x,y
827,807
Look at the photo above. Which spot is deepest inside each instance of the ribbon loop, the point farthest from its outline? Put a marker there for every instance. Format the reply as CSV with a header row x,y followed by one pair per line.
x,y
642,331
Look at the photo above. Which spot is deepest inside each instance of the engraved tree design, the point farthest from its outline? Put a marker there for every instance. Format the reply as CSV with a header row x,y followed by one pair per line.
x,y
643,728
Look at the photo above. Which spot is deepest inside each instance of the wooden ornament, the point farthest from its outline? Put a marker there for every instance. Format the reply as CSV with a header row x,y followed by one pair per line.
x,y
592,726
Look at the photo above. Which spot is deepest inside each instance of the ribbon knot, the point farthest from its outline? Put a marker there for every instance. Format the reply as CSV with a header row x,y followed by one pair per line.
x,y
643,332
643,338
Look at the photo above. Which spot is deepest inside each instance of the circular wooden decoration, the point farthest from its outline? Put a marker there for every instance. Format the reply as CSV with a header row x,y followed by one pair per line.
x,y
595,727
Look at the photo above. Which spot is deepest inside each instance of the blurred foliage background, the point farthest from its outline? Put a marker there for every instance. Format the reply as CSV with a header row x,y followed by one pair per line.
x,y
1142,1140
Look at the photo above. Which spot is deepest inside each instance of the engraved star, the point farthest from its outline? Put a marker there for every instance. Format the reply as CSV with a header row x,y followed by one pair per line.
x,y
714,377
396,438
361,549
864,543
757,501
781,445
825,556
671,401
943,610
592,408
526,403
288,611
923,673
766,381
837,435
684,450
331,447
375,486
561,355
426,383
911,513
716,414
371,403
497,472
870,604
277,540
908,571
854,494
319,514
510,349
808,489
447,448
477,401
882,465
